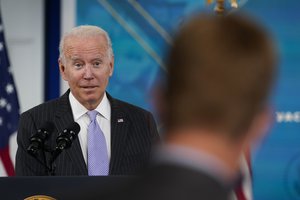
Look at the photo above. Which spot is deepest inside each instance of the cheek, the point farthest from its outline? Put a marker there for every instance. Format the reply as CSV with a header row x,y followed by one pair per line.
x,y
73,78
103,76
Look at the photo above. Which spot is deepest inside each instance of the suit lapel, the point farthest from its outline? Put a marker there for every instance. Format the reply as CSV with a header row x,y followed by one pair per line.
x,y
119,129
63,118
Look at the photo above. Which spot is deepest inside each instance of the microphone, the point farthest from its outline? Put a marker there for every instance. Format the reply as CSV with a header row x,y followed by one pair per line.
x,y
65,139
37,140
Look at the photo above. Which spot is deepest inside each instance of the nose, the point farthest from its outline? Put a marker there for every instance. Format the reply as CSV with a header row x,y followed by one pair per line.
x,y
88,74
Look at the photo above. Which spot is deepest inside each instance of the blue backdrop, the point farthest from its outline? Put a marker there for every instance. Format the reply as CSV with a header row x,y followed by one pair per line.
x,y
141,32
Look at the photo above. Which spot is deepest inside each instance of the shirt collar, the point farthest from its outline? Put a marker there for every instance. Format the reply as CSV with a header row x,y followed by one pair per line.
x,y
78,109
197,160
104,107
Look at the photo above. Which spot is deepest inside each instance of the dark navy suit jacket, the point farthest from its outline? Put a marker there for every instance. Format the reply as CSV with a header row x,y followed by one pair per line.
x,y
132,139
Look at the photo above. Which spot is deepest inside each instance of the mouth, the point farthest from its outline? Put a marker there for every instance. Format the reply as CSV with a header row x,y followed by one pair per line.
x,y
88,87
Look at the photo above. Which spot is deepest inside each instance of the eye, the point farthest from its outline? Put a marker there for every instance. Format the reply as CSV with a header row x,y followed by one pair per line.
x,y
97,64
78,65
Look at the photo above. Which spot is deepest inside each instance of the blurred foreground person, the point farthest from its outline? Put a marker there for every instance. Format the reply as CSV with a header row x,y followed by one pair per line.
x,y
221,71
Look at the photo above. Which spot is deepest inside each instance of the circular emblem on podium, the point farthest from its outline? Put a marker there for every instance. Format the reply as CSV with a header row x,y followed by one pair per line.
x,y
39,197
292,179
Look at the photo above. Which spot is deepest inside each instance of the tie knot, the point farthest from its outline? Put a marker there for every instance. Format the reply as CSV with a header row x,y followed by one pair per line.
x,y
92,114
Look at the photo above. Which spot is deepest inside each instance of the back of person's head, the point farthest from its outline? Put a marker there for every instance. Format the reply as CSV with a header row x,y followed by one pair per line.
x,y
85,31
221,70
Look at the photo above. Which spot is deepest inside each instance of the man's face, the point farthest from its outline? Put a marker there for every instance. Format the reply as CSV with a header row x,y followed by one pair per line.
x,y
87,68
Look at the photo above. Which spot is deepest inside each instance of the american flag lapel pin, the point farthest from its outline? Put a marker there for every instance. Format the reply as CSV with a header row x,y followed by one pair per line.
x,y
120,120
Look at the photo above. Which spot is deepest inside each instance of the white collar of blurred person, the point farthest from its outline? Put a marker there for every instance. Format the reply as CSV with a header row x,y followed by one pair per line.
x,y
188,157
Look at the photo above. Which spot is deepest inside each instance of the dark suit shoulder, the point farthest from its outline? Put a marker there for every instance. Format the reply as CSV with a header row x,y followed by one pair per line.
x,y
47,110
170,181
129,108
133,133
134,113
43,106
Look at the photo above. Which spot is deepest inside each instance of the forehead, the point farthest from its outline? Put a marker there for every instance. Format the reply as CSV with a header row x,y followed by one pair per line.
x,y
81,46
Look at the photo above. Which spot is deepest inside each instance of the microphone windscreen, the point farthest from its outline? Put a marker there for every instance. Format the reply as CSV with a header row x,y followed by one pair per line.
x,y
74,126
47,126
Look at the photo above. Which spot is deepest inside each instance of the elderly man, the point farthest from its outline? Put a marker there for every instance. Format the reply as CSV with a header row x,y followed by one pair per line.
x,y
115,137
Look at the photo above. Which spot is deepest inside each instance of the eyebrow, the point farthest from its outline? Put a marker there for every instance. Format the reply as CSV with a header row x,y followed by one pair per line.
x,y
96,59
76,58
73,58
99,56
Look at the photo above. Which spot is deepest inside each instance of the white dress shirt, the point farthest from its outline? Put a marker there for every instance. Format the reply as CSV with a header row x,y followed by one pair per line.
x,y
81,117
247,180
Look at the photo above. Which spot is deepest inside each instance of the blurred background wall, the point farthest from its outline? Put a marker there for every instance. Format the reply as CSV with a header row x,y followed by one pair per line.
x,y
141,32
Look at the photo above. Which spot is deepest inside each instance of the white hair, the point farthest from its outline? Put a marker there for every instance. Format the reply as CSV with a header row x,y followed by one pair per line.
x,y
85,31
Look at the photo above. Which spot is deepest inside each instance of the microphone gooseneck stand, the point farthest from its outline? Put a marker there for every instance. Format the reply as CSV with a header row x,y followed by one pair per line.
x,y
63,141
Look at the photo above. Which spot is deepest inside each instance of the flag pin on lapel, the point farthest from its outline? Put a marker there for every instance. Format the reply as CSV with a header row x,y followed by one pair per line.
x,y
120,120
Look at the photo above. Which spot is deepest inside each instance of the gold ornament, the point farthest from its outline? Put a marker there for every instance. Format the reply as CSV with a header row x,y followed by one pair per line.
x,y
220,5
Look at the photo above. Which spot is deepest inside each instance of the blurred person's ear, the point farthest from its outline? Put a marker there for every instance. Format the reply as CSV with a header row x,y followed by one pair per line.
x,y
260,126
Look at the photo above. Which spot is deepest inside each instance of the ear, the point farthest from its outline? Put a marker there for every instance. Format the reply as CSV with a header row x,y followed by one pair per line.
x,y
111,66
261,125
62,69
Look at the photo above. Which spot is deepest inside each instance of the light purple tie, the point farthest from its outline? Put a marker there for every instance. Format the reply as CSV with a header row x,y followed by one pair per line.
x,y
98,163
